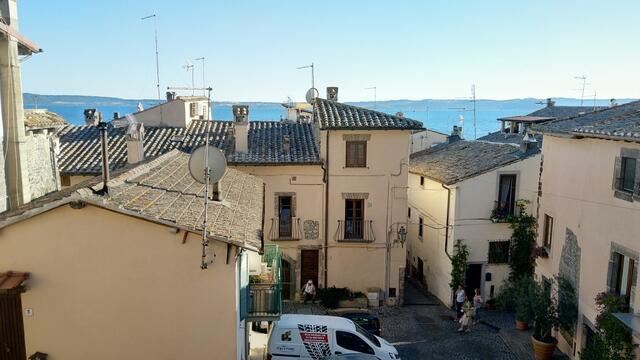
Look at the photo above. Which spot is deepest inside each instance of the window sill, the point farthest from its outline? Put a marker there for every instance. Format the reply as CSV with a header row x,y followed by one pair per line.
x,y
623,195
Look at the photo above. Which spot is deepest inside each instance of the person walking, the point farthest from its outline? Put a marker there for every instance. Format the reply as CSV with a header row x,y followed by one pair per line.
x,y
477,306
309,292
460,297
467,317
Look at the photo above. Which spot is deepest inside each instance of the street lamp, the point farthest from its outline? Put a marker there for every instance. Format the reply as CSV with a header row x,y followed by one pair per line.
x,y
402,235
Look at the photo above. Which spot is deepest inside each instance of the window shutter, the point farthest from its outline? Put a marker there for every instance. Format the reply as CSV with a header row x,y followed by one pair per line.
x,y
617,168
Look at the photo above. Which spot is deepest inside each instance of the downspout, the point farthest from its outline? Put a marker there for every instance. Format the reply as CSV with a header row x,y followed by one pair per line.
x,y
264,190
389,217
446,229
326,212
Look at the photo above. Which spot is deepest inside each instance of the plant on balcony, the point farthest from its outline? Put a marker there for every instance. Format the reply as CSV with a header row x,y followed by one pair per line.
x,y
523,239
611,340
458,264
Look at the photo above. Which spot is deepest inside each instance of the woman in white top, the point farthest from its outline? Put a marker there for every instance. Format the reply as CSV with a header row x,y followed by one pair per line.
x,y
460,296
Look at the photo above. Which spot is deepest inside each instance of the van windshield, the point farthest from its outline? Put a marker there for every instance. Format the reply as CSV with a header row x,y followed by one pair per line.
x,y
367,335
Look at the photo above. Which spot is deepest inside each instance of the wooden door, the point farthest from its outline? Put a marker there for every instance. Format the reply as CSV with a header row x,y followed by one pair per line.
x,y
309,267
12,345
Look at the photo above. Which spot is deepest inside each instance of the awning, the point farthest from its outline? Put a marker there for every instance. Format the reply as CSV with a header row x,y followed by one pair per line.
x,y
632,321
12,281
25,46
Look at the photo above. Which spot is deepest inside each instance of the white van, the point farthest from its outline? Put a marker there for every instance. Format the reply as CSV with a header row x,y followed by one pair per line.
x,y
318,337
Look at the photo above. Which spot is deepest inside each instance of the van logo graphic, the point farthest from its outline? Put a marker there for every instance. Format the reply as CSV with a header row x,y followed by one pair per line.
x,y
315,339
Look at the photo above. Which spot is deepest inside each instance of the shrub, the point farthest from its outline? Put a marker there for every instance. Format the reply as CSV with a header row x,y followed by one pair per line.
x,y
611,340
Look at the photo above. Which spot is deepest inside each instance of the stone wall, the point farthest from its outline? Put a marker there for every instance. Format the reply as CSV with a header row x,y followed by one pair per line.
x,y
41,161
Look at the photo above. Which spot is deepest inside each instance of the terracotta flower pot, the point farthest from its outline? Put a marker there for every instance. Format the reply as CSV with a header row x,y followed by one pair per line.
x,y
522,325
543,350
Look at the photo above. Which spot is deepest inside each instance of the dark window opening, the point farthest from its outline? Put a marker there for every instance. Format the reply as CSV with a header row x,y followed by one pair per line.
x,y
623,268
548,231
628,174
354,219
285,216
409,213
420,227
356,154
506,196
421,180
498,252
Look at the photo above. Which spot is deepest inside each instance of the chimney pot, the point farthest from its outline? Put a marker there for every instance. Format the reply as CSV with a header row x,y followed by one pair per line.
x,y
135,143
529,144
92,117
116,115
240,113
171,95
332,93
550,102
400,114
455,134
241,127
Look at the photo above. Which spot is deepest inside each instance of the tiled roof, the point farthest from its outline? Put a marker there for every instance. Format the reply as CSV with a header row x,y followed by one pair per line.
x,y
507,138
42,119
559,112
621,122
162,191
460,160
80,145
338,116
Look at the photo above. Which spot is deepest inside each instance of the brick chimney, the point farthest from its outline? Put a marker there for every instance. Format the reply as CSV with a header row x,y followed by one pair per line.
x,y
332,93
135,143
241,127
550,103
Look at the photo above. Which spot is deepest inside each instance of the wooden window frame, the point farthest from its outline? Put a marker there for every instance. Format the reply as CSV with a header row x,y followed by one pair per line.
x,y
355,162
353,218
420,227
623,169
547,232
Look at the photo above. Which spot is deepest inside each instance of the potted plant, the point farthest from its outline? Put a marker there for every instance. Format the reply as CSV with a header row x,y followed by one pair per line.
x,y
491,304
551,311
524,312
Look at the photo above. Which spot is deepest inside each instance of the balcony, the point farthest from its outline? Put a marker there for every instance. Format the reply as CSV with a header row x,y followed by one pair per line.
x,y
283,229
502,211
265,290
357,231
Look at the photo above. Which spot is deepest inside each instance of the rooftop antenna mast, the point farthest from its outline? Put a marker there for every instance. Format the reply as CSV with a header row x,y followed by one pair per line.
x,y
375,95
584,85
203,80
188,66
473,98
155,33
313,75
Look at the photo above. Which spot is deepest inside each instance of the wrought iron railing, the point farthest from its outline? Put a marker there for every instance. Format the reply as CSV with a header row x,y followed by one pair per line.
x,y
285,229
265,297
355,231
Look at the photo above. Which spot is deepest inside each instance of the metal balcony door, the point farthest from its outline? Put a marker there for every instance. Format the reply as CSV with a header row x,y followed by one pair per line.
x,y
12,346
309,266
285,215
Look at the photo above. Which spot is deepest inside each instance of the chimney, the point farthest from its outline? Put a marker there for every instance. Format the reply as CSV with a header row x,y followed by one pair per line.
x,y
550,103
613,103
332,93
171,95
241,127
135,143
104,146
529,144
400,114
116,115
92,117
455,134
286,144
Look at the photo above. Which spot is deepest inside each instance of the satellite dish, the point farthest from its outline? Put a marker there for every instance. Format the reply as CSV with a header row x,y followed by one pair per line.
x,y
216,163
311,96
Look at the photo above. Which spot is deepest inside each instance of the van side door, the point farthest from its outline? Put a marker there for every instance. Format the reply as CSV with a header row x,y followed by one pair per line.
x,y
348,342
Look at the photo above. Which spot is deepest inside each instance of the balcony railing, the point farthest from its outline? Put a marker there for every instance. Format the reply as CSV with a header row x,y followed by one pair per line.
x,y
285,229
265,294
355,231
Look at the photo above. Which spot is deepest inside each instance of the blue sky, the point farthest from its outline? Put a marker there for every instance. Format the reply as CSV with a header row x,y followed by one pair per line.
x,y
407,49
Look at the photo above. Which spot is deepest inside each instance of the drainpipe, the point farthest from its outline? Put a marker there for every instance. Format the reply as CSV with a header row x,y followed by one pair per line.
x,y
326,213
446,229
264,191
102,127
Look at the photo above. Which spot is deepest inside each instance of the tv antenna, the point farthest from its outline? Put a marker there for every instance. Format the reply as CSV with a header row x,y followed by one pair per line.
x,y
188,66
375,95
584,85
203,80
313,76
155,33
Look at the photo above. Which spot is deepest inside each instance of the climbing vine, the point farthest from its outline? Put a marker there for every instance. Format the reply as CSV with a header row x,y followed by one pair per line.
x,y
459,264
611,340
523,240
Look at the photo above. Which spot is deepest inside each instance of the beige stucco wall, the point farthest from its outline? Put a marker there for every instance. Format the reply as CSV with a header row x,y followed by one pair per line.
x,y
577,192
172,113
107,286
360,266
425,139
472,201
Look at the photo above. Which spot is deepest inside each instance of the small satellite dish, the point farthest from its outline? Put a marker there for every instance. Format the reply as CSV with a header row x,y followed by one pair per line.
x,y
217,163
311,95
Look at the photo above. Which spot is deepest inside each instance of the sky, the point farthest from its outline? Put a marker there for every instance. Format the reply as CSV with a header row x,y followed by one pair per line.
x,y
406,49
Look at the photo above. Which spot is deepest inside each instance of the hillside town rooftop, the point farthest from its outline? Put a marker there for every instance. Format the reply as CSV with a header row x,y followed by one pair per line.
x,y
333,115
454,162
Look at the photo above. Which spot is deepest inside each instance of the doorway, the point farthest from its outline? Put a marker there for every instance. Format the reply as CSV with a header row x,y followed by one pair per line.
x,y
420,272
473,279
287,285
309,267
12,346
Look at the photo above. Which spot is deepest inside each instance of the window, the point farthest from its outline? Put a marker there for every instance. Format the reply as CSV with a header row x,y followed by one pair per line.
x,y
353,342
420,227
285,215
622,273
548,231
498,252
409,213
506,195
421,180
628,174
356,154
353,218
193,109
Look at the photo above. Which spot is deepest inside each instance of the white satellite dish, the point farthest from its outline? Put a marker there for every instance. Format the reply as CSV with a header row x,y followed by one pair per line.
x,y
214,160
311,95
